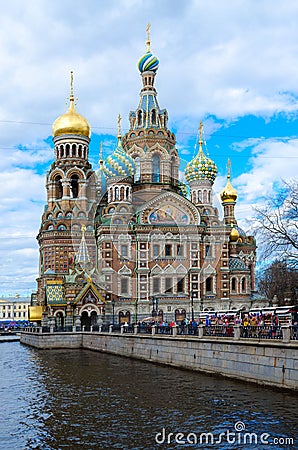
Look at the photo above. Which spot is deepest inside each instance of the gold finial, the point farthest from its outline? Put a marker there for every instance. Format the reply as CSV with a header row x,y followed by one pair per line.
x,y
83,229
229,169
119,126
201,135
148,37
100,154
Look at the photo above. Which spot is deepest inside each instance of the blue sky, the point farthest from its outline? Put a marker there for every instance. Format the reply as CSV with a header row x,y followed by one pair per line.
x,y
231,63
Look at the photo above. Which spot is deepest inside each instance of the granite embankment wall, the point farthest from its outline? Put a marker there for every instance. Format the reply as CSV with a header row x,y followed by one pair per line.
x,y
271,363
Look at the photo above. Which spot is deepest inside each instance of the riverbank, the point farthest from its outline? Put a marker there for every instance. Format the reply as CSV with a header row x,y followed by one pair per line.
x,y
271,363
9,338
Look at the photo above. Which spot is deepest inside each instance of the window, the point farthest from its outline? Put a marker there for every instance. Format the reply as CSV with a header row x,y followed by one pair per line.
x,y
58,187
156,284
124,285
155,250
74,186
179,250
233,284
62,228
168,285
180,285
207,250
156,169
168,250
243,285
209,285
124,250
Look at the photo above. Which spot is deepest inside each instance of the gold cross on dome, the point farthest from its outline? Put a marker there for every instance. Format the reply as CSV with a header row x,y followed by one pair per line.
x,y
71,83
148,37
119,124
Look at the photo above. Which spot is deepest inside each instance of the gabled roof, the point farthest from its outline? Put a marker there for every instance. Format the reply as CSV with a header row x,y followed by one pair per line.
x,y
89,286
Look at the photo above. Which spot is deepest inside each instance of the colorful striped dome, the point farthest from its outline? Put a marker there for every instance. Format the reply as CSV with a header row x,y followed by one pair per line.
x,y
148,62
119,164
201,168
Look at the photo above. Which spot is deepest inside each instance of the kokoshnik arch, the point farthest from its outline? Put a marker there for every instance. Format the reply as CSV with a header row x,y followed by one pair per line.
x,y
132,239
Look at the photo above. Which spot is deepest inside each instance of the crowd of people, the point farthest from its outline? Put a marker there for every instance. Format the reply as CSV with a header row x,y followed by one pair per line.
x,y
250,323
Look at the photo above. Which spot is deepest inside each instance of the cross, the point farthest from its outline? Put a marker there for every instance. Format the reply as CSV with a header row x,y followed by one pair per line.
x,y
229,168
148,36
119,125
71,83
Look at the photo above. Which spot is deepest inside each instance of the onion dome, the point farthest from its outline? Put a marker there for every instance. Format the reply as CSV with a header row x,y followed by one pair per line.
x,y
228,194
71,122
201,167
119,164
148,61
234,236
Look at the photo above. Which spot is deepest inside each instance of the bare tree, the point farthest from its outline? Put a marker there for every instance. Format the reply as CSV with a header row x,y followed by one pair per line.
x,y
277,225
280,280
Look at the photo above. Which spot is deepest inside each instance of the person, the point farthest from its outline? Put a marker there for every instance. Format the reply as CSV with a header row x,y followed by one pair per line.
x,y
194,325
125,327
182,327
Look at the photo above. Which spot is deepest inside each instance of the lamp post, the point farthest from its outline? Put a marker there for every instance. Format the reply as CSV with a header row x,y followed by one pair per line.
x,y
113,306
192,312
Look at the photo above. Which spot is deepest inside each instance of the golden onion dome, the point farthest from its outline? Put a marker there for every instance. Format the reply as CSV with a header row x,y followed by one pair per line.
x,y
229,193
71,122
234,236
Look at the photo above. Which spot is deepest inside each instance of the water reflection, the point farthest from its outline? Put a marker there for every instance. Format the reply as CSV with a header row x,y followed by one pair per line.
x,y
58,399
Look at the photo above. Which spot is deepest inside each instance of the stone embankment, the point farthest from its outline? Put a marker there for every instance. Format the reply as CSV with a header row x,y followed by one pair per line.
x,y
266,362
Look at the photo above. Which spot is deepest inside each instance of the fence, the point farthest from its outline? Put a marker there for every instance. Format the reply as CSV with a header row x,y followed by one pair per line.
x,y
285,333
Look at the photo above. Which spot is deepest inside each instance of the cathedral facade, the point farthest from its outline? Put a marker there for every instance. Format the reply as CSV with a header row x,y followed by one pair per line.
x,y
132,240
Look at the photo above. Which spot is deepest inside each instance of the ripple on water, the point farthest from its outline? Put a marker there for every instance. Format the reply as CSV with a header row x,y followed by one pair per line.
x,y
87,400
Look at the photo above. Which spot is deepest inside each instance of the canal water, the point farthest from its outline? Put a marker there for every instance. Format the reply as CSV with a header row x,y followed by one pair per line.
x,y
79,399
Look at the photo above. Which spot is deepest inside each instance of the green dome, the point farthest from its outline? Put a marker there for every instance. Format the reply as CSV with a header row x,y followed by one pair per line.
x,y
201,168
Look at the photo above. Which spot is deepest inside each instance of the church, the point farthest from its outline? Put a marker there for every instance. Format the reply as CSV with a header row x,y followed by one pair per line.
x,y
132,240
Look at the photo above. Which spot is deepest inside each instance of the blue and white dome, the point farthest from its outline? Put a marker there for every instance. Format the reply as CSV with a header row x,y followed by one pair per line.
x,y
148,62
119,164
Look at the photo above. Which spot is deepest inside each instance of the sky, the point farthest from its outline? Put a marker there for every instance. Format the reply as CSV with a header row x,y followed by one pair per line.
x,y
231,63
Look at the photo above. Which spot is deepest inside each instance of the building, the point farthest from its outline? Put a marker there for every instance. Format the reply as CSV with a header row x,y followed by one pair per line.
x,y
14,310
132,240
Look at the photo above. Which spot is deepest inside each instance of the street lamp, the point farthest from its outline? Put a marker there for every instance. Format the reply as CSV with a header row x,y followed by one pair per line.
x,y
113,306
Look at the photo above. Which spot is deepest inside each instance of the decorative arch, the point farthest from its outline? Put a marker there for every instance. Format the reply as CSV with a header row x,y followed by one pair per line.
x,y
76,171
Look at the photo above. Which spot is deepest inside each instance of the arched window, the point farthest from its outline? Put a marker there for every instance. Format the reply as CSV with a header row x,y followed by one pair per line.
x,y
137,175
140,118
74,186
233,284
58,190
243,285
209,284
153,117
61,227
156,168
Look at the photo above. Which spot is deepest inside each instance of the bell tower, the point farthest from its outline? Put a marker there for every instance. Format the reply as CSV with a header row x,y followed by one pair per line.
x,y
71,198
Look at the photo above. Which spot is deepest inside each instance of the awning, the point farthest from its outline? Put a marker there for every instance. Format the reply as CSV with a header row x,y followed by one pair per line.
x,y
35,313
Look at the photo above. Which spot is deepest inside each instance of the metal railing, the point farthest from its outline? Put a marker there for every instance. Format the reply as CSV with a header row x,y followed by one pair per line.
x,y
265,332
219,330
261,332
